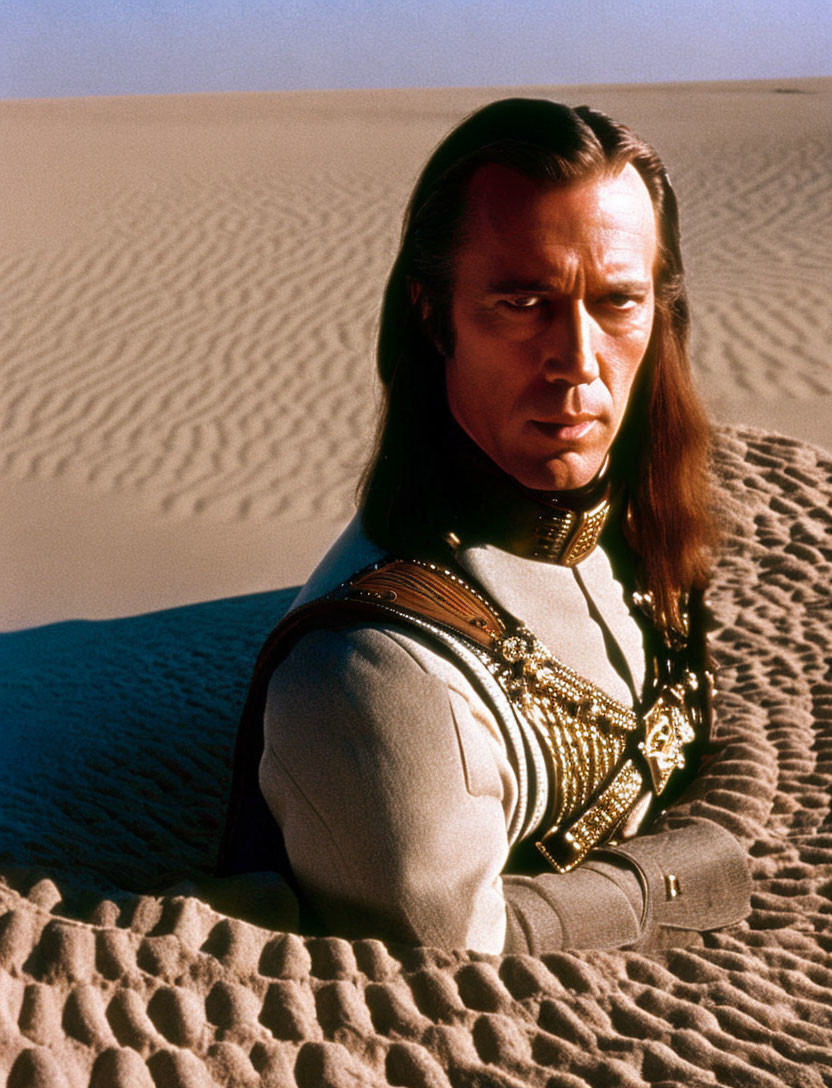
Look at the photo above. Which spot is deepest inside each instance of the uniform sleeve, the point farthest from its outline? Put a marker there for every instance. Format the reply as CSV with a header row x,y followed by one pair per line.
x,y
393,793
393,818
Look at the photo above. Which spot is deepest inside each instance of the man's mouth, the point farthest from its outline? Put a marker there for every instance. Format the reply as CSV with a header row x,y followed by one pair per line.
x,y
567,428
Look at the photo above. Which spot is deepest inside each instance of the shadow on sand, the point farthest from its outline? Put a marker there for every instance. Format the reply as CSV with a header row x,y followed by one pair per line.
x,y
117,740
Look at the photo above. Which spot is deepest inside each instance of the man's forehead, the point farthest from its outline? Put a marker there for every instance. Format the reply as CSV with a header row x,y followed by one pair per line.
x,y
511,215
501,197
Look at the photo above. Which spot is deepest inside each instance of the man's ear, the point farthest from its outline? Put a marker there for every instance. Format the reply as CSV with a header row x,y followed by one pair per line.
x,y
420,301
414,290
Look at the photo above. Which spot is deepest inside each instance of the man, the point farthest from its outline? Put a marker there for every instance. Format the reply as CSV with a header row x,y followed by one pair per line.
x,y
499,675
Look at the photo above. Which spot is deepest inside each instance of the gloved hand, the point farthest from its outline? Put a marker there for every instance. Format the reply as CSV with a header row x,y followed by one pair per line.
x,y
651,891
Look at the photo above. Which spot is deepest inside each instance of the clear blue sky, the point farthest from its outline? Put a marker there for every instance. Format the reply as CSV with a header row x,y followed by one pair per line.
x,y
83,47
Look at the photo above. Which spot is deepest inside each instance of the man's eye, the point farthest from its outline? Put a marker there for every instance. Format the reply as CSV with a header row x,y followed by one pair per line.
x,y
521,303
620,301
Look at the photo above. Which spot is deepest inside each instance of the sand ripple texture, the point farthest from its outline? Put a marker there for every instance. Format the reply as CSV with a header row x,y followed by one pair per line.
x,y
209,344
202,338
757,236
121,732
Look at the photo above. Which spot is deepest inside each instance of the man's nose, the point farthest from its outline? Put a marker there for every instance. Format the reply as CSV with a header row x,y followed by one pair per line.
x,y
569,345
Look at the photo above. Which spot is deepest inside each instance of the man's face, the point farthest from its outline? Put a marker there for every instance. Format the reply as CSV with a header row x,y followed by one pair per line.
x,y
552,311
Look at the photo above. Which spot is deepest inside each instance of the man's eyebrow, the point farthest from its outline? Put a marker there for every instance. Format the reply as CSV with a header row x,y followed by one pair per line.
x,y
627,287
515,286
518,286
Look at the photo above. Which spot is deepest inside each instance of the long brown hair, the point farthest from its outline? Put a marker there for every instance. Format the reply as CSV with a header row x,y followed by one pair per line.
x,y
661,451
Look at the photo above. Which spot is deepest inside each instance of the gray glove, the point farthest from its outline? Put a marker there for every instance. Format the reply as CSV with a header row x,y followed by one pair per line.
x,y
651,891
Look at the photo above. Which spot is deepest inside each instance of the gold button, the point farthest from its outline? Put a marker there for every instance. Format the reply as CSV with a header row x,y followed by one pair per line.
x,y
671,886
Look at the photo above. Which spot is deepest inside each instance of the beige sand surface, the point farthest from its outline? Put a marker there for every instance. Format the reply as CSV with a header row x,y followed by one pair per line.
x,y
190,287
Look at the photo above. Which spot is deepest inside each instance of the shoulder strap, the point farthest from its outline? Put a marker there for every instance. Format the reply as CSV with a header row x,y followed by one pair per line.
x,y
429,592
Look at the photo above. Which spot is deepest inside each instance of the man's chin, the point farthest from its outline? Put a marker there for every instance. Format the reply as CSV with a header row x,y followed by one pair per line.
x,y
564,473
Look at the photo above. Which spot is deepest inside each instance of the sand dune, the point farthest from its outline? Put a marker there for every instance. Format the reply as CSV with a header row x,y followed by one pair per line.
x,y
191,287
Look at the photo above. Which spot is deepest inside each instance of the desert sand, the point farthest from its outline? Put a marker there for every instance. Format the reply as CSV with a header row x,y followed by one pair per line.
x,y
190,290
